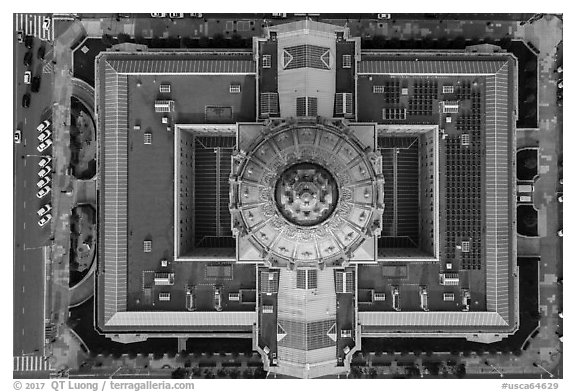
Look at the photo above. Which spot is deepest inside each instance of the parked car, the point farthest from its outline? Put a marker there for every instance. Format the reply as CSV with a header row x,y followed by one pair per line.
x,y
44,135
46,23
43,182
218,298
176,15
196,15
45,124
17,136
28,59
20,35
45,208
44,161
41,52
45,219
26,100
384,16
29,41
44,145
27,77
35,84
44,171
158,15
43,192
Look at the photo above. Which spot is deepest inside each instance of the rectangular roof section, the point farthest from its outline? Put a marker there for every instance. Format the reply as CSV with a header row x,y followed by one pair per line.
x,y
470,320
426,63
182,63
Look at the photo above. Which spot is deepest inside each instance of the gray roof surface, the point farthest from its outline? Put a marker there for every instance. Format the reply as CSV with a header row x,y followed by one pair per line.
x,y
415,64
182,63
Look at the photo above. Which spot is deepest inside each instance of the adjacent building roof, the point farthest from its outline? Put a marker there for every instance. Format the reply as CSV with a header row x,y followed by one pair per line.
x,y
440,320
183,63
112,73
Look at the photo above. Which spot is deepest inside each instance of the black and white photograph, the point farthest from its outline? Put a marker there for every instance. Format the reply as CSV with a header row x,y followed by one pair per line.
x,y
331,195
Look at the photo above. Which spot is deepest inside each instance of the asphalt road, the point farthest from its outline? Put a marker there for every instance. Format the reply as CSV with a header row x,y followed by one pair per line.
x,y
29,238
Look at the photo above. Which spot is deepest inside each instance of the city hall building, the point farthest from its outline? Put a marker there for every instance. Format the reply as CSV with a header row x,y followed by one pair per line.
x,y
306,194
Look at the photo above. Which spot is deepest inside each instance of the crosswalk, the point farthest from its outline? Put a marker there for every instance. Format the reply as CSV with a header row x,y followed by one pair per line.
x,y
31,24
29,363
48,67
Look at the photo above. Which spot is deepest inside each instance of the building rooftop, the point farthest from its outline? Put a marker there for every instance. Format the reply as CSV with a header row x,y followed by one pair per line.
x,y
182,142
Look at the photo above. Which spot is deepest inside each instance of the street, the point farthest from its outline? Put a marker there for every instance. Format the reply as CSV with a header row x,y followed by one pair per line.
x,y
29,238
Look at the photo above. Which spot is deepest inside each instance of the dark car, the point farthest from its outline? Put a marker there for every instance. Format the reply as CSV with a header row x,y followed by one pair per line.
x,y
26,100
28,58
35,84
41,52
29,41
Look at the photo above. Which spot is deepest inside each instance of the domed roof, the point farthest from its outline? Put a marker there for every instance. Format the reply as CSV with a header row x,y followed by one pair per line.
x,y
306,193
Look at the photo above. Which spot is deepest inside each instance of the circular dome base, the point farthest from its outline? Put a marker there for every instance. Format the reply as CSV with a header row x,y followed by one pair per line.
x,y
306,194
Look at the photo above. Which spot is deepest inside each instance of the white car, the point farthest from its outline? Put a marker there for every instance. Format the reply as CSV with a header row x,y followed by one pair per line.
x,y
44,135
17,136
196,15
44,171
158,15
43,182
46,208
27,77
46,23
44,145
384,16
176,15
43,192
44,161
45,124
45,219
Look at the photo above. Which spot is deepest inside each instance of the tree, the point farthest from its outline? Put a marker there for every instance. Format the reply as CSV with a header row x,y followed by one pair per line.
x,y
236,41
184,354
234,373
107,40
433,368
218,41
259,372
122,37
458,42
427,42
140,40
158,42
247,374
460,370
180,373
379,42
372,373
204,42
355,372
221,373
